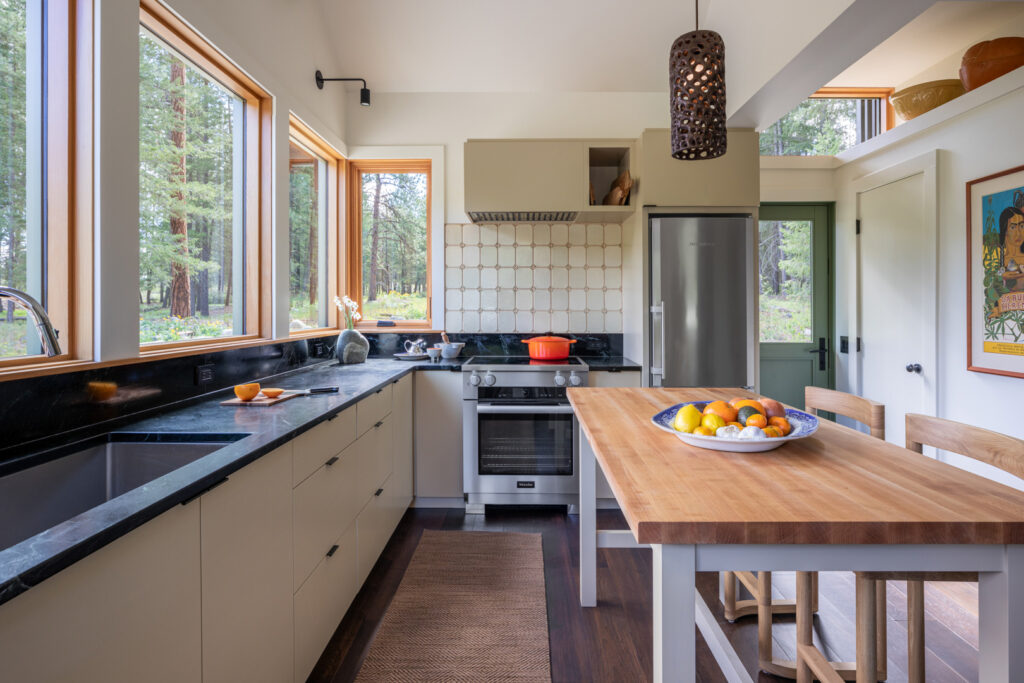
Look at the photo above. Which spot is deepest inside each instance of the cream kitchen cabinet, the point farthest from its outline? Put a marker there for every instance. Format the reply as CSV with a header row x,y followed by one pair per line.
x,y
730,180
438,435
402,430
246,552
130,611
600,378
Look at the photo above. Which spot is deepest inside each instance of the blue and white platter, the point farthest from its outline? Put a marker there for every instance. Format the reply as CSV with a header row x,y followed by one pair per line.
x,y
803,425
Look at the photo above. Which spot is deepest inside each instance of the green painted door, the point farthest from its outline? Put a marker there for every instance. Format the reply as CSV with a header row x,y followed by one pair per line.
x,y
795,300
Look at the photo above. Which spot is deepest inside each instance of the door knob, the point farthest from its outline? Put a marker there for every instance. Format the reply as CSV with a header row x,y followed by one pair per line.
x,y
914,367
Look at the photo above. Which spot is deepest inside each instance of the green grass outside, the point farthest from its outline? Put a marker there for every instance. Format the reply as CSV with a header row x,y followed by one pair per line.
x,y
395,306
785,319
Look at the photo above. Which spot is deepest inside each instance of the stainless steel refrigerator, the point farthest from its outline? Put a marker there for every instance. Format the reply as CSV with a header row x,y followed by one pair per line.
x,y
702,293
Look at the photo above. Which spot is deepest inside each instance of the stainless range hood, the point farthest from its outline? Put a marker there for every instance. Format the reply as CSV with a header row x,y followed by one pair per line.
x,y
522,216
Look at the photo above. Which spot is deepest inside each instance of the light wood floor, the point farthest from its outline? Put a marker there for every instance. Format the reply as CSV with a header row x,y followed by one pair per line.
x,y
613,641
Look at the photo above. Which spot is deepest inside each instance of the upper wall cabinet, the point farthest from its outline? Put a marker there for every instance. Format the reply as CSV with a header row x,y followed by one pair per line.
x,y
729,180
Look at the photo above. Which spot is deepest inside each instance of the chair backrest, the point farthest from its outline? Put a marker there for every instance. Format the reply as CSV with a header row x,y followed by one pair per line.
x,y
863,410
993,448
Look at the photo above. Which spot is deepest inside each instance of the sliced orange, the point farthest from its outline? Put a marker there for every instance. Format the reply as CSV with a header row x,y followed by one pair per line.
x,y
782,424
247,392
272,393
722,410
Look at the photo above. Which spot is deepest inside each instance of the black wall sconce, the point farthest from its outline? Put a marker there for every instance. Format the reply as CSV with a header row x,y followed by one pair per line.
x,y
364,92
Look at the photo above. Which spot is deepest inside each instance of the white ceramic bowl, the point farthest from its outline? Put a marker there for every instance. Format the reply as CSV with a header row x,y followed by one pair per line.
x,y
450,350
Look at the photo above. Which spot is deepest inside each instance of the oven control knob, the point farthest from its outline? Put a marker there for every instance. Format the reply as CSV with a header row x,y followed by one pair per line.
x,y
559,379
474,379
490,379
574,379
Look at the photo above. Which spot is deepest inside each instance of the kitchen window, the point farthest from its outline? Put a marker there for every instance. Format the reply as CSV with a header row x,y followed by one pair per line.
x,y
202,186
314,172
43,244
831,121
389,242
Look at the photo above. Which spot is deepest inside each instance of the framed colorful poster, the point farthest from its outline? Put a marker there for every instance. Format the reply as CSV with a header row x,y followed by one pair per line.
x,y
995,273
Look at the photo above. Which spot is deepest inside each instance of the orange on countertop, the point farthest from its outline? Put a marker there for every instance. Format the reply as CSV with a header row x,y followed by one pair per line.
x,y
722,410
247,392
272,393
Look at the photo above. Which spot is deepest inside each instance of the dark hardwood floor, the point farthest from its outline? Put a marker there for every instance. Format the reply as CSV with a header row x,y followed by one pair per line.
x,y
613,641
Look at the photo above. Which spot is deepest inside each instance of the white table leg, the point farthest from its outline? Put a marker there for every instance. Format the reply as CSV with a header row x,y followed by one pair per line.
x,y
1001,620
675,656
588,523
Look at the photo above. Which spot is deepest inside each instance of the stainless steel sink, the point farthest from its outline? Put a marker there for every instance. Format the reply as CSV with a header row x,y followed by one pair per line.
x,y
42,496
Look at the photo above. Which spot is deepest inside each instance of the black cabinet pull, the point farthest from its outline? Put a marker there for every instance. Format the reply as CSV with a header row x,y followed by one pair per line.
x,y
378,492
379,390
331,461
334,549
204,491
376,426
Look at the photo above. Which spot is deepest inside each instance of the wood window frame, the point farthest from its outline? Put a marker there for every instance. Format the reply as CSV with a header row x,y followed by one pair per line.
x,y
336,171
168,27
863,94
68,40
354,236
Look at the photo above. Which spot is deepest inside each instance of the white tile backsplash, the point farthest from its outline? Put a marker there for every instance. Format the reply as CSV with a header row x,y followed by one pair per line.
x,y
533,278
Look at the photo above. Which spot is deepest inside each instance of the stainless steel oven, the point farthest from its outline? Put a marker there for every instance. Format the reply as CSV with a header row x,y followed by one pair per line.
x,y
519,433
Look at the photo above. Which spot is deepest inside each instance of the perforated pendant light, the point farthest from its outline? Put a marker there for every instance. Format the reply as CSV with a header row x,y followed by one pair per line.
x,y
696,68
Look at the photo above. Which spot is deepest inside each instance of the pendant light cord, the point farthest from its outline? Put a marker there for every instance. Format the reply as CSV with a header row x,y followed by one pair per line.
x,y
696,15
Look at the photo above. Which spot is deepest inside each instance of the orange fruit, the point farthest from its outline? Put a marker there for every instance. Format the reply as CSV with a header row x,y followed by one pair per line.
x,y
757,420
773,408
247,392
703,431
782,423
734,424
772,432
756,405
721,409
272,393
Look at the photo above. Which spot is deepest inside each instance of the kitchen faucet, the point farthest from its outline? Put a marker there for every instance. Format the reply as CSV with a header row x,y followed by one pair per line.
x,y
44,328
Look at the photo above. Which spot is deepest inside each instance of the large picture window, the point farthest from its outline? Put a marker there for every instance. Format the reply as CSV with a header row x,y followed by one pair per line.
x,y
199,214
314,172
389,242
39,83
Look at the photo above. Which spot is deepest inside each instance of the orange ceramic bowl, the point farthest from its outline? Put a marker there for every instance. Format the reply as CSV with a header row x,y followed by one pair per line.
x,y
549,348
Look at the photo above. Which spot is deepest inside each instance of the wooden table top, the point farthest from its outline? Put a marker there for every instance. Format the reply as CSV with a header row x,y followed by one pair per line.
x,y
838,486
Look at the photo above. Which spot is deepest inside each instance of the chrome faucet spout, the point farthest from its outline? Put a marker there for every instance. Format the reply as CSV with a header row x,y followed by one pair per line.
x,y
44,328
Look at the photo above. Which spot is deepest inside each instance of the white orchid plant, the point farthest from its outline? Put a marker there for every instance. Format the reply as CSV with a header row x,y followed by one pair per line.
x,y
350,309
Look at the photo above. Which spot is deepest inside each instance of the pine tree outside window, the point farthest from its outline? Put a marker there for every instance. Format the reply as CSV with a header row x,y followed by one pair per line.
x,y
831,121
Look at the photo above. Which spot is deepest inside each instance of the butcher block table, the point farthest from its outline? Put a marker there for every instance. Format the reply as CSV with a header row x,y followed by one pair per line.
x,y
838,500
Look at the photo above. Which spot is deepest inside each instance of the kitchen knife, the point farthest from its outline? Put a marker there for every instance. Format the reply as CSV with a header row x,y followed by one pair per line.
x,y
316,390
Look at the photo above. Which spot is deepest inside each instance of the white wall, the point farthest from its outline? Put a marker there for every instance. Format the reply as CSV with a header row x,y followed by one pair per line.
x,y
450,119
280,45
976,143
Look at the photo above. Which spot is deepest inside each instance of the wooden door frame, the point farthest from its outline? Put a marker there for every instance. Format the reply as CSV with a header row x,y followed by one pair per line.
x,y
926,165
830,232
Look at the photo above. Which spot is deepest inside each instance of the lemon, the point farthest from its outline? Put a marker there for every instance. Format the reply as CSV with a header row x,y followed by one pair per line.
x,y
686,419
712,422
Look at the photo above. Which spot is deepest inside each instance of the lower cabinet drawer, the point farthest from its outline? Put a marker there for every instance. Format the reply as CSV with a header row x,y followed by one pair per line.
x,y
376,457
373,529
322,505
373,408
321,602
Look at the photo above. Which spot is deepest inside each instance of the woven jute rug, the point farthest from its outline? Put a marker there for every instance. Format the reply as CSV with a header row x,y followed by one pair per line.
x,y
470,607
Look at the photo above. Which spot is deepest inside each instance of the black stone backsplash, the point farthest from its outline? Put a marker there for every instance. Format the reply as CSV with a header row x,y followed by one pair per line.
x,y
40,411
384,344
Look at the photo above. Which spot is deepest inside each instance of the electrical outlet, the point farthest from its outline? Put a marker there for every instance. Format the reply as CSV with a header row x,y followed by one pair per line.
x,y
204,374
844,345
318,349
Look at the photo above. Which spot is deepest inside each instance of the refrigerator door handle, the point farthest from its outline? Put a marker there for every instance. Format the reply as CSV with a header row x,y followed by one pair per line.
x,y
659,370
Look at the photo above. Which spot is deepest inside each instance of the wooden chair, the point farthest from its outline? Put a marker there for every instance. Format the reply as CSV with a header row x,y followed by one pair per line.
x,y
809,658
992,448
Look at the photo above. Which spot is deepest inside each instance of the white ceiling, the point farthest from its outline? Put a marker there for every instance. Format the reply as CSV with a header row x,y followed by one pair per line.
x,y
560,45
936,38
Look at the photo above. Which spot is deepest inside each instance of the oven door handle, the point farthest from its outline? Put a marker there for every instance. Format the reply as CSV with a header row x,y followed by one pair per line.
x,y
493,409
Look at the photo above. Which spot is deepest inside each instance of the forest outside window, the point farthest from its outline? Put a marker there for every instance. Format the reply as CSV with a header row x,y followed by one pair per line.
x,y
831,121
199,175
314,170
38,80
389,242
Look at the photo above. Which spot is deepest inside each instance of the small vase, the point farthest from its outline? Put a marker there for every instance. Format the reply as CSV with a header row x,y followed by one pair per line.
x,y
352,347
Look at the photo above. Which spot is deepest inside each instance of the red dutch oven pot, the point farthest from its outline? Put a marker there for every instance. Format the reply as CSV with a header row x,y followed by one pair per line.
x,y
549,348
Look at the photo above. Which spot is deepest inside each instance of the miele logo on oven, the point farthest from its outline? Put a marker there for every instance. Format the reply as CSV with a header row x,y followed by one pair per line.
x,y
525,484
